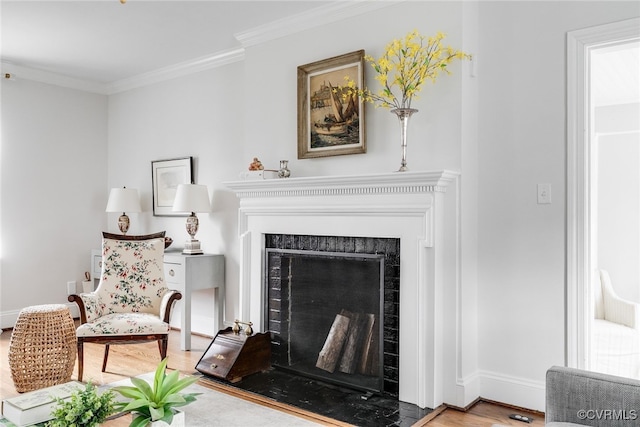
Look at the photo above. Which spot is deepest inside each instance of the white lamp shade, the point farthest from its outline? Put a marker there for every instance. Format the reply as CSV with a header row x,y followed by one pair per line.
x,y
123,200
192,198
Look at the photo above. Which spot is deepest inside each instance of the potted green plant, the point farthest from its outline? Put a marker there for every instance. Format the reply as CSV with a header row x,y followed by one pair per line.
x,y
150,404
85,408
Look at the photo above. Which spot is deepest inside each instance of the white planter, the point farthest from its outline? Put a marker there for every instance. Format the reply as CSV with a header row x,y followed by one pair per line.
x,y
178,421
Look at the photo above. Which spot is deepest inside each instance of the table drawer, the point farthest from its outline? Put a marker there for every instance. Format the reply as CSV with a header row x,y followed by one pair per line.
x,y
174,275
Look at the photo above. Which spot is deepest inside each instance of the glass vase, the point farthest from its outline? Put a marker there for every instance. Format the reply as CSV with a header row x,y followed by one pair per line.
x,y
284,171
404,114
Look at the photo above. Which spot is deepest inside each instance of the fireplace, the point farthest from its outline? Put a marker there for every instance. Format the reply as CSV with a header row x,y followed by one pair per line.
x,y
409,208
332,308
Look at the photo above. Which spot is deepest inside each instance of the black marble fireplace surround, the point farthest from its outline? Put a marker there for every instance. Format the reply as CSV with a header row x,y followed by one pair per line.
x,y
310,279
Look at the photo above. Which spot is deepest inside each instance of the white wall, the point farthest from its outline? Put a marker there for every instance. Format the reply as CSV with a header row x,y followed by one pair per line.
x,y
54,146
226,116
270,82
521,263
200,116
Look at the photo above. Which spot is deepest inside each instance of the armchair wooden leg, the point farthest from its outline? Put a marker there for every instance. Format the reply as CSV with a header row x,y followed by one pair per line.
x,y
162,346
106,356
80,358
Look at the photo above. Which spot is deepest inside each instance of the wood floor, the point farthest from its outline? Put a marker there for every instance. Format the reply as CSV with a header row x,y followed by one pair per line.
x,y
131,360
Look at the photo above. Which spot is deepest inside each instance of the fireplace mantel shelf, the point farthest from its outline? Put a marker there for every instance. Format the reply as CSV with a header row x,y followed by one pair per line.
x,y
384,183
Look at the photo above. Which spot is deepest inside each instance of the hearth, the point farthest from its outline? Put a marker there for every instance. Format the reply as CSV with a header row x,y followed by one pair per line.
x,y
331,304
338,403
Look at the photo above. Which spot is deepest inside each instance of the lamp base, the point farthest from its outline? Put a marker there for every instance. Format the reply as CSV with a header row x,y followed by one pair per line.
x,y
123,223
192,247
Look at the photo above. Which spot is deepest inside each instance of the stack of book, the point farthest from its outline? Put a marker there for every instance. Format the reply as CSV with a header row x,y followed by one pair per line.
x,y
35,406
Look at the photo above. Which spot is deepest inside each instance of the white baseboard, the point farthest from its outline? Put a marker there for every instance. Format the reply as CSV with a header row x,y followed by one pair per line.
x,y
9,318
467,390
521,392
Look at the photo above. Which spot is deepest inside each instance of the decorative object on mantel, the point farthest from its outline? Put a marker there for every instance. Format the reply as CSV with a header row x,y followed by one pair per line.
x,y
284,171
123,200
256,165
257,171
405,66
404,114
330,123
192,198
166,175
259,175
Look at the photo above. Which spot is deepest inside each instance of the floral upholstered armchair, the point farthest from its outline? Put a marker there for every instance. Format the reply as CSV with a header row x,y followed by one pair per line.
x,y
132,303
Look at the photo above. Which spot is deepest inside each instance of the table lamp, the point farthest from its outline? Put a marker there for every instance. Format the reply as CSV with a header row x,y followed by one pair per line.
x,y
192,198
123,200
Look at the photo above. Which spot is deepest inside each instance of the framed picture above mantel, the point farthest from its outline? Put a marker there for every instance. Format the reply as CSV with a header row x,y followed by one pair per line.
x,y
330,119
166,175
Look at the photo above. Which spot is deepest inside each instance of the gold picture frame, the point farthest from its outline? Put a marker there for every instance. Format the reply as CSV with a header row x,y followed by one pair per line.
x,y
328,123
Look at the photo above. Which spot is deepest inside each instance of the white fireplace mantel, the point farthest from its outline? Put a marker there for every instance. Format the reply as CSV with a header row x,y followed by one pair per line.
x,y
387,183
410,206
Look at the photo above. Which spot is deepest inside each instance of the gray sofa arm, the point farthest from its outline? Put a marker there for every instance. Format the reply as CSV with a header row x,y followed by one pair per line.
x,y
591,399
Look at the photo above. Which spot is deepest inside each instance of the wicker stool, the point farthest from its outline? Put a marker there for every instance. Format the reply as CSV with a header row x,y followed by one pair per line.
x,y
42,351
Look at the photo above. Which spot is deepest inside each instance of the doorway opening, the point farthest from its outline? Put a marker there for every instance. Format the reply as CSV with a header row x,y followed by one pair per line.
x,y
603,95
615,137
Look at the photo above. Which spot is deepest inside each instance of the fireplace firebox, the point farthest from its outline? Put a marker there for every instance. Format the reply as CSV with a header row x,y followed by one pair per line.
x,y
332,308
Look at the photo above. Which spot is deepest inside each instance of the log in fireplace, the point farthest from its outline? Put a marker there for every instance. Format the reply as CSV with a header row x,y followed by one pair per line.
x,y
332,308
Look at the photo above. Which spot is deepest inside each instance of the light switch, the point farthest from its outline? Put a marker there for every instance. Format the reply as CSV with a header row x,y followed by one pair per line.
x,y
544,194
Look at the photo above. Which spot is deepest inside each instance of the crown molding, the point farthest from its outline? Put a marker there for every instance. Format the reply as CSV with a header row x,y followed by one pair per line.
x,y
322,15
20,72
313,18
160,75
178,70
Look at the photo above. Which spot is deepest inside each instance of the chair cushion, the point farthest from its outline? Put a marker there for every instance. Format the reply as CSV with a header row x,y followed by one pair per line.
x,y
124,324
132,278
616,349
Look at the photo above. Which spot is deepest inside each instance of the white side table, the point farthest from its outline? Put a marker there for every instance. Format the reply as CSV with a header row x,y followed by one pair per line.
x,y
187,273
